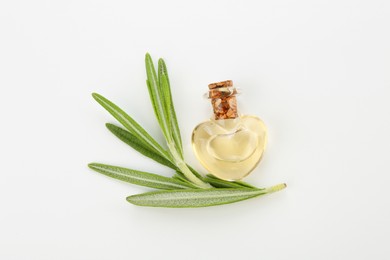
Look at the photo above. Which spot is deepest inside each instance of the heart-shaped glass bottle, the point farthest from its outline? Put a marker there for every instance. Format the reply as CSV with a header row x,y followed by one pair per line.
x,y
229,146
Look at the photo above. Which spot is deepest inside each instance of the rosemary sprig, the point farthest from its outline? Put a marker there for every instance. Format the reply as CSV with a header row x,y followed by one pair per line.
x,y
186,188
160,95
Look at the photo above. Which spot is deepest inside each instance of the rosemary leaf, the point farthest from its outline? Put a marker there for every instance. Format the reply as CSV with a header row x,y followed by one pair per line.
x,y
216,182
139,178
191,198
166,89
131,125
181,177
245,184
221,183
138,145
157,97
167,102
197,174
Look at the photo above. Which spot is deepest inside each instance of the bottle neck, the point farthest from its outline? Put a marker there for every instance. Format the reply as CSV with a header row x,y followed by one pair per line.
x,y
223,100
229,125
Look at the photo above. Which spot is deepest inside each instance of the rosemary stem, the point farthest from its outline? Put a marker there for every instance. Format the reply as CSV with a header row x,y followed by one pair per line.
x,y
276,188
184,168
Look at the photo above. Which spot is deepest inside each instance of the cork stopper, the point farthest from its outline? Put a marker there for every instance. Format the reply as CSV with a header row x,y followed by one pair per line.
x,y
223,100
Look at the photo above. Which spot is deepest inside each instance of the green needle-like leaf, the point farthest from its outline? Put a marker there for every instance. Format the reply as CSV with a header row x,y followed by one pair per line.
x,y
245,184
221,183
197,174
157,98
139,178
191,198
135,143
179,176
131,125
166,90
163,86
216,182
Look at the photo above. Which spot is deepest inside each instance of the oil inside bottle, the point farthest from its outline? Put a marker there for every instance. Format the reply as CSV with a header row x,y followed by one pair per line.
x,y
230,148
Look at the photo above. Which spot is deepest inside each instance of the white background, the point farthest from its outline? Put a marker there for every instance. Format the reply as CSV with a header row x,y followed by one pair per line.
x,y
317,72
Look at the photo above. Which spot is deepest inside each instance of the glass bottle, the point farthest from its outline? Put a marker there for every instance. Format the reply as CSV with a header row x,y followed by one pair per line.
x,y
229,145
